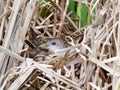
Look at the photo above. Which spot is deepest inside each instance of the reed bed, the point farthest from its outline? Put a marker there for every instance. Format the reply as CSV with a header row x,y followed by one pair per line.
x,y
92,52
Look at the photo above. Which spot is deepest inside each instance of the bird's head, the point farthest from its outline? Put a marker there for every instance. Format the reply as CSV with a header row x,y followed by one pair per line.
x,y
52,45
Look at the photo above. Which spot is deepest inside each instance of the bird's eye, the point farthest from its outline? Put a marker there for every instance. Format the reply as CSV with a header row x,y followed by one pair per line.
x,y
53,43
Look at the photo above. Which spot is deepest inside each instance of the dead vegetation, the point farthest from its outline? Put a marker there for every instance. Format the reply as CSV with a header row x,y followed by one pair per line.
x,y
91,61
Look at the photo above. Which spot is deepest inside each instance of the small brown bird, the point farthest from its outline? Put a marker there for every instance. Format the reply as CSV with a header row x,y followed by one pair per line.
x,y
52,46
46,49
54,58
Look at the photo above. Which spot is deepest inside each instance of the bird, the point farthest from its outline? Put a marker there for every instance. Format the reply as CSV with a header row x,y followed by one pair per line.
x,y
53,44
47,49
57,59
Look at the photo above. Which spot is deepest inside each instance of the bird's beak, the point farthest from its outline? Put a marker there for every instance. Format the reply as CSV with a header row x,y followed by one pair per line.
x,y
44,46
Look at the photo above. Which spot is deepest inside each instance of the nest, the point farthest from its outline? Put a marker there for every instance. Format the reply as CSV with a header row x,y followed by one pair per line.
x,y
91,59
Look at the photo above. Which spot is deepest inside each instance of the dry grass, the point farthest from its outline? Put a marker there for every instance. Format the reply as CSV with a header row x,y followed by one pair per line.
x,y
92,57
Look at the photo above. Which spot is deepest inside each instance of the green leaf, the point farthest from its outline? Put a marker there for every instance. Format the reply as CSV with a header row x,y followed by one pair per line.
x,y
71,7
84,15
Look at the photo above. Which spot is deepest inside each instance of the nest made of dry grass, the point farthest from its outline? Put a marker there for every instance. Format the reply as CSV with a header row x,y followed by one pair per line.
x,y
92,53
